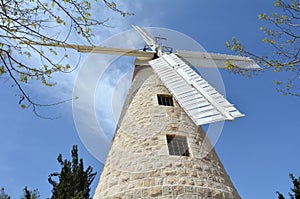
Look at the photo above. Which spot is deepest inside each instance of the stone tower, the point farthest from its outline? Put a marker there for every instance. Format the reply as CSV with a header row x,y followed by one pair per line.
x,y
156,150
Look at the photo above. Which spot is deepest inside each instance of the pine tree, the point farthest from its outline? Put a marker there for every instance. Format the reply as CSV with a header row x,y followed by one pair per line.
x,y
295,190
74,182
30,194
3,195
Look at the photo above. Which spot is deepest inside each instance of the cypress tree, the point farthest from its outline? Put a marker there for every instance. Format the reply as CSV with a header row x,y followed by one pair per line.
x,y
73,181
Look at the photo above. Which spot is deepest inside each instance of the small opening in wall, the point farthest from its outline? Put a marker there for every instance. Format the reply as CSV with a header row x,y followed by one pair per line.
x,y
178,145
165,100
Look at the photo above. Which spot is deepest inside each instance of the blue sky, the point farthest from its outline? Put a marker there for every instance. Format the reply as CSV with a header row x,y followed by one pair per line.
x,y
258,151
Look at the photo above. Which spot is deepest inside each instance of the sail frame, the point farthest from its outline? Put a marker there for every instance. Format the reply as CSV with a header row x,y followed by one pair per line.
x,y
202,102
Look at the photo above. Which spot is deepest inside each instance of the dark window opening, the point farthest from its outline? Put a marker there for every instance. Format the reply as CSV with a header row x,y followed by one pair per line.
x,y
177,145
165,100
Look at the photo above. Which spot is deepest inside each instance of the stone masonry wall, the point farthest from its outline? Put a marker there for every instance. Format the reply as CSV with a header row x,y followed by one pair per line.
x,y
139,165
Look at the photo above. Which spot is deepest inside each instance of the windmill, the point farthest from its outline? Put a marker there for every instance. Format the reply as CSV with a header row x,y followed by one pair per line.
x,y
149,158
161,162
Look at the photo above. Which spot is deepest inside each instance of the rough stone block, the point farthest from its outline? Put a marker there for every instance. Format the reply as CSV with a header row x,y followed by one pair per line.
x,y
156,191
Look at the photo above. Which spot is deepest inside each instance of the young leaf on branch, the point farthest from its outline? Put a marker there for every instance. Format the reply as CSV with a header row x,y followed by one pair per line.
x,y
26,23
282,35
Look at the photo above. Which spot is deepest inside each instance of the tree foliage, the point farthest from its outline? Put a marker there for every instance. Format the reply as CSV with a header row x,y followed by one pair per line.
x,y
25,22
295,190
74,181
3,195
282,34
27,194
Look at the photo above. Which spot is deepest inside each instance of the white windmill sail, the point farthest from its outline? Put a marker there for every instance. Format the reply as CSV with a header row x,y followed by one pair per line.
x,y
210,60
149,41
99,49
195,95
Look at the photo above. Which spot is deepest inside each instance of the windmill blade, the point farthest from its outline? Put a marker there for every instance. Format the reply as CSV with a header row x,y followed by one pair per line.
x,y
149,41
210,60
203,103
98,49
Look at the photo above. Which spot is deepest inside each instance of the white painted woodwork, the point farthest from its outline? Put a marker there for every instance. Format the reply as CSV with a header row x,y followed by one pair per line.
x,y
211,60
99,49
149,41
203,103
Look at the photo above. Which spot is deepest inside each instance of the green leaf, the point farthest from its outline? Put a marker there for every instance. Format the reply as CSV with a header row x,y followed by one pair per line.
x,y
44,82
33,25
2,70
23,106
87,4
67,67
113,5
262,16
23,78
276,3
57,68
48,72
229,65
265,40
87,16
227,44
79,30
28,54
277,82
52,51
59,20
